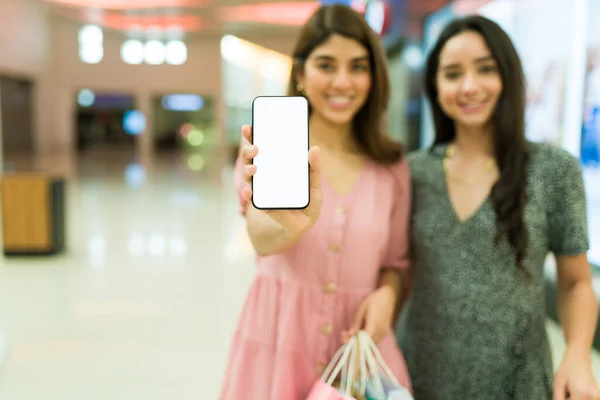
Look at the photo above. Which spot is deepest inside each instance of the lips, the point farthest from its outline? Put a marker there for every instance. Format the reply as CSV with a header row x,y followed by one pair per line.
x,y
473,107
339,102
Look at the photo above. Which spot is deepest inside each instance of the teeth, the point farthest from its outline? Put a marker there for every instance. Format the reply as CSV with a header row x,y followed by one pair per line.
x,y
473,105
339,100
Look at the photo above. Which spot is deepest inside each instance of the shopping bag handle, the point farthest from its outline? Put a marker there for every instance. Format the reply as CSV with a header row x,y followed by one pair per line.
x,y
374,357
338,361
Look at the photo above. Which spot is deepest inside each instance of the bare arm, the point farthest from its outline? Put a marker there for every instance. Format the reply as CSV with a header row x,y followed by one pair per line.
x,y
390,278
568,234
578,307
397,281
578,311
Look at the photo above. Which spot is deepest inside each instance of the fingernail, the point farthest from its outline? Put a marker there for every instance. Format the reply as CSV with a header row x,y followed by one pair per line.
x,y
248,169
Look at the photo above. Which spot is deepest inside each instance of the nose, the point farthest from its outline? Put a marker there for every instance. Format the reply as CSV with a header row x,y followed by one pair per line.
x,y
470,83
341,79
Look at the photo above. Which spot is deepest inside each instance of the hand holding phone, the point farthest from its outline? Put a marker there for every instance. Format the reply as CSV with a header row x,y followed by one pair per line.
x,y
292,220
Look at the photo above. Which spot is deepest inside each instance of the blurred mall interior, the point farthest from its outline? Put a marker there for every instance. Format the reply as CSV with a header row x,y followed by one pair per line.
x,y
120,121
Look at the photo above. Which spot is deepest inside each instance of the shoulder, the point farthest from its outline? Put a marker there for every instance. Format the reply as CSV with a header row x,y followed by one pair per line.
x,y
423,160
396,174
400,169
544,153
552,162
418,156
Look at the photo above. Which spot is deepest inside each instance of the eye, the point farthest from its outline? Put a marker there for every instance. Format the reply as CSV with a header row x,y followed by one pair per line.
x,y
451,75
362,67
488,68
328,67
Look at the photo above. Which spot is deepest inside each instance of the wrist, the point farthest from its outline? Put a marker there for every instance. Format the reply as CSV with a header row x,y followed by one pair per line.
x,y
389,291
389,280
579,351
294,232
293,235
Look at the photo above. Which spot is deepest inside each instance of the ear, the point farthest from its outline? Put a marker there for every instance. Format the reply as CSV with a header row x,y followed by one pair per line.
x,y
299,74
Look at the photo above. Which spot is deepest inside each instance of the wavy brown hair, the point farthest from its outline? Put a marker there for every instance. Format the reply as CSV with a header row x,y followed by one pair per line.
x,y
368,127
510,145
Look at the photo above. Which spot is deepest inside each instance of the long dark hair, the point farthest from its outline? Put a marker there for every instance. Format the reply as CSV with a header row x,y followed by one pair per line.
x,y
368,126
511,150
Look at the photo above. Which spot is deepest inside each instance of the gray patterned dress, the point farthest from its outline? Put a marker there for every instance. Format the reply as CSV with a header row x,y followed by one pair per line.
x,y
472,328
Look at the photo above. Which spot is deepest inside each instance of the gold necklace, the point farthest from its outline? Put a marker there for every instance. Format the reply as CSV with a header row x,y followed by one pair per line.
x,y
450,152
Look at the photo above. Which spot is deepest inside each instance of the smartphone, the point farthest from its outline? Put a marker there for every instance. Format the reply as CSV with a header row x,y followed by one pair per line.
x,y
280,131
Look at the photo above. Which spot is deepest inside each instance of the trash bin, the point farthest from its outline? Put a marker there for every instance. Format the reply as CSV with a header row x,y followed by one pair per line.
x,y
33,214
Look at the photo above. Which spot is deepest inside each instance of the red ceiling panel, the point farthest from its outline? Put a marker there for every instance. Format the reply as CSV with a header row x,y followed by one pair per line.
x,y
187,23
184,13
291,13
132,4
119,21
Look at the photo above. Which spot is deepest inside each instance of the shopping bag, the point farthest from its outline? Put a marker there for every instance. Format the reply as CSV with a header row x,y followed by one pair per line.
x,y
323,391
360,373
340,369
391,393
381,384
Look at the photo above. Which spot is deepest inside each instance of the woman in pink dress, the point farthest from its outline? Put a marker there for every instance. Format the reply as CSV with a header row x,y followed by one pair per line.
x,y
337,265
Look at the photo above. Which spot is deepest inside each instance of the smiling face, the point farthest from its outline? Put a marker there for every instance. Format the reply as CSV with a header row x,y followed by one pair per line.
x,y
468,81
337,79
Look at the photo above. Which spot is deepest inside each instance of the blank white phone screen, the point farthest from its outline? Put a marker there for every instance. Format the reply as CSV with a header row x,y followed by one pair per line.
x,y
280,131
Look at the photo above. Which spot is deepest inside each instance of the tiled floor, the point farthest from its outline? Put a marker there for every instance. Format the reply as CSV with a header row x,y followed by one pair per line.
x,y
144,303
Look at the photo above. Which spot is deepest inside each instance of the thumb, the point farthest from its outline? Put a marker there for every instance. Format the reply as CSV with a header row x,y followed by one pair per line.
x,y
315,168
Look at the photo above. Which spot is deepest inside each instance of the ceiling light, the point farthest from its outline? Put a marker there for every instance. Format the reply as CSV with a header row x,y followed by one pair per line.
x,y
132,52
176,52
154,52
90,34
91,54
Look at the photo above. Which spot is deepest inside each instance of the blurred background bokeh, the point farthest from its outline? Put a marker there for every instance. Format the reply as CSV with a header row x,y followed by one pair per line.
x,y
125,261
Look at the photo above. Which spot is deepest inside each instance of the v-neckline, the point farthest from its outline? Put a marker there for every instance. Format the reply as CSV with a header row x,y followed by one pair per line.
x,y
357,183
450,202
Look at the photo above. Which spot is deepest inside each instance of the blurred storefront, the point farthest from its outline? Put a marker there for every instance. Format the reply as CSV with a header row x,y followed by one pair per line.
x,y
387,18
248,71
590,128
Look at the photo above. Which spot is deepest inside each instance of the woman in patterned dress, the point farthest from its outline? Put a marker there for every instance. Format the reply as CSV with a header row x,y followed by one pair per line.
x,y
317,267
488,206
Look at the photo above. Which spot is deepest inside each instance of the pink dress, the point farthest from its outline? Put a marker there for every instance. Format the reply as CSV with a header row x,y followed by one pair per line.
x,y
301,301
